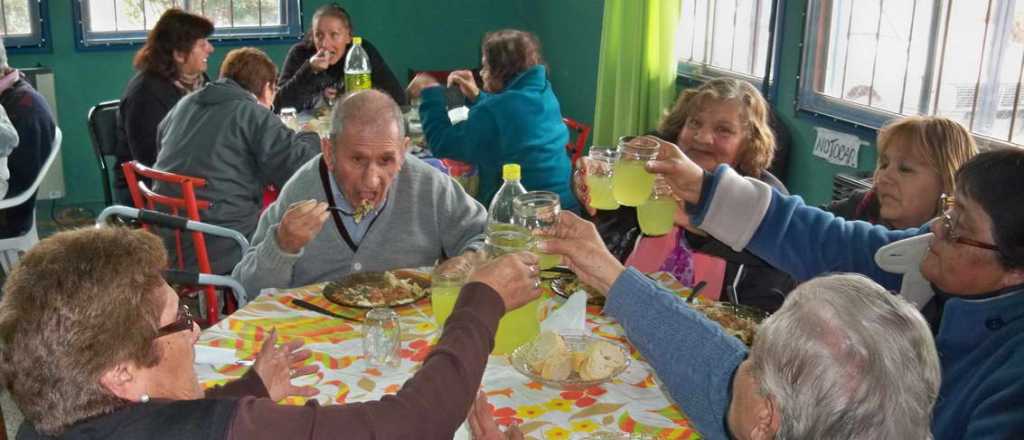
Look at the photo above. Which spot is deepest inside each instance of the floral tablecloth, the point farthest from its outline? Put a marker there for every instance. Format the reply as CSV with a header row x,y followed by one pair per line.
x,y
633,403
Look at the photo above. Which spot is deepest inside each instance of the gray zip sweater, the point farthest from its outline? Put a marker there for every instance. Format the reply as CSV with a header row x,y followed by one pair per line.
x,y
428,216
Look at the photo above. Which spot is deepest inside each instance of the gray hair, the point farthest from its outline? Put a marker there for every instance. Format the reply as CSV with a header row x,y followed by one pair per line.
x,y
843,358
366,108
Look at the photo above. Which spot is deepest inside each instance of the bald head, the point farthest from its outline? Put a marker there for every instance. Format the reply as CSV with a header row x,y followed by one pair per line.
x,y
367,110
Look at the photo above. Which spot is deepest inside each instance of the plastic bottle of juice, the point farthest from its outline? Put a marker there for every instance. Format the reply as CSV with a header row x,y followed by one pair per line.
x,y
521,325
357,67
501,213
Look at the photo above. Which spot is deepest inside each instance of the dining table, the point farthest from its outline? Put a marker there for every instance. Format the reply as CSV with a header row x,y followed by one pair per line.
x,y
632,405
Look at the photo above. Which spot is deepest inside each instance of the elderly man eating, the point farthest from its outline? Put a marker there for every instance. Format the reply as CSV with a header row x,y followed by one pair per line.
x,y
383,209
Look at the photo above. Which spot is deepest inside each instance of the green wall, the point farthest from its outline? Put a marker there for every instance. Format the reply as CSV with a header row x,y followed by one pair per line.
x,y
410,34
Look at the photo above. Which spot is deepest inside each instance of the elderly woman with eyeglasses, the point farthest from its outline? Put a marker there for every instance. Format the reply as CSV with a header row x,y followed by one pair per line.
x,y
95,344
966,268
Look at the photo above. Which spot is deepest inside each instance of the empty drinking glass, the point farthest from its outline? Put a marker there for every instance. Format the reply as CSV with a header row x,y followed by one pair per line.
x,y
631,183
382,336
599,164
538,210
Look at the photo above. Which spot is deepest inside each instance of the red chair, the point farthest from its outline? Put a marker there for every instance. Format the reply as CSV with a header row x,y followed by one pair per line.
x,y
145,198
575,148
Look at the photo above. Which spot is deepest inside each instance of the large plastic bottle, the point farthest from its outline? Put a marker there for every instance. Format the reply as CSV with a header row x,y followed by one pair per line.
x,y
499,216
357,67
521,325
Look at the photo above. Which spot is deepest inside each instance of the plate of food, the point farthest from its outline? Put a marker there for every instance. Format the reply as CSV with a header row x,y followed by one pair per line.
x,y
567,285
570,361
379,289
737,320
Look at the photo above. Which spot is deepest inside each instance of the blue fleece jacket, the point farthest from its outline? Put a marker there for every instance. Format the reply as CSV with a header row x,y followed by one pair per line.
x,y
694,358
521,124
980,342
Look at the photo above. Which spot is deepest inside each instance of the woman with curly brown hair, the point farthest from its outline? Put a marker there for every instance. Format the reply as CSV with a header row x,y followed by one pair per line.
x,y
170,65
722,122
515,119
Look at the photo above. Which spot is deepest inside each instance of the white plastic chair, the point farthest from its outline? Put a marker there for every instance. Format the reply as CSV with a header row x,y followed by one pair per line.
x,y
12,248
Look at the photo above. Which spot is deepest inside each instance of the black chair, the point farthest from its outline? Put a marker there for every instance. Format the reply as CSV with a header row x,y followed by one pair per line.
x,y
106,144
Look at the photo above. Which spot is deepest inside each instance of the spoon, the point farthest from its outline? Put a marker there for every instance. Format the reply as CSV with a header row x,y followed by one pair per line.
x,y
694,291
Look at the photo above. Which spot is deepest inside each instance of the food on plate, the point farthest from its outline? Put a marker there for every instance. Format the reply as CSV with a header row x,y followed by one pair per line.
x,y
732,319
372,289
566,286
552,358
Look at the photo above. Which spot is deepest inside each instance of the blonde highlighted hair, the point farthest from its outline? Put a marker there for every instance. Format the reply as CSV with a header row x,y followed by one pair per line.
x,y
759,141
942,142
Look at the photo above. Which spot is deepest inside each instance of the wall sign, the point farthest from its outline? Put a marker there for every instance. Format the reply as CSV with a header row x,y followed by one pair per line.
x,y
837,148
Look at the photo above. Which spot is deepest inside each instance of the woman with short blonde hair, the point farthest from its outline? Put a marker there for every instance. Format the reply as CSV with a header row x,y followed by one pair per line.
x,y
918,157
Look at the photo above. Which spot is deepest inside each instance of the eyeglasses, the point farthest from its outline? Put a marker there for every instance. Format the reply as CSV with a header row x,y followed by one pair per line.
x,y
950,223
183,322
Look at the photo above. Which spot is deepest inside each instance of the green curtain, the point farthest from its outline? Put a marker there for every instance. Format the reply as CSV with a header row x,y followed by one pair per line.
x,y
637,68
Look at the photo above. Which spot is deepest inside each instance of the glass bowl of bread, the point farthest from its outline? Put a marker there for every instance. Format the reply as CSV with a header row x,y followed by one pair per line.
x,y
570,361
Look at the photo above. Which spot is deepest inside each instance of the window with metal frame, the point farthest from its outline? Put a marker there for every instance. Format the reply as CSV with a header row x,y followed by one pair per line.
x,y
724,37
22,23
115,22
868,61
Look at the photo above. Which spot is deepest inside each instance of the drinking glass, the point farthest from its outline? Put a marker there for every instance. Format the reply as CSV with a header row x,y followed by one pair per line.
x,y
381,338
631,183
444,291
599,164
538,210
505,238
657,214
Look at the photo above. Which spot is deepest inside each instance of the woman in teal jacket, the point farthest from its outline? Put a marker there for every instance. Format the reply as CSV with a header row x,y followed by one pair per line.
x,y
516,119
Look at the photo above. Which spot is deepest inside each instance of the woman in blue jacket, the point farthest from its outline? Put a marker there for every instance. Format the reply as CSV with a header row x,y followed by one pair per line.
x,y
967,267
515,119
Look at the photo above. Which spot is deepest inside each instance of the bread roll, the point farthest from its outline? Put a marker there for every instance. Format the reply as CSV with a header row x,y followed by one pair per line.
x,y
558,367
602,358
548,345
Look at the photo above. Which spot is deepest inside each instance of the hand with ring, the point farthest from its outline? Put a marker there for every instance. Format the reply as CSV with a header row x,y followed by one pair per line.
x,y
277,365
515,277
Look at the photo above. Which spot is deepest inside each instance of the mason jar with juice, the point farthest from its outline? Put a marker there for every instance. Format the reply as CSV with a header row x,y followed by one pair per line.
x,y
599,164
656,215
521,325
631,183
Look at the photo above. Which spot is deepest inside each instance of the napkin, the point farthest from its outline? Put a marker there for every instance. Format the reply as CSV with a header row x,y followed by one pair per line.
x,y
458,114
206,354
570,317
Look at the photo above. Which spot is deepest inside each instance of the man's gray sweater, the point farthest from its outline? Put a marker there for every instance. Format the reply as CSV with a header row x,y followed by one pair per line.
x,y
428,216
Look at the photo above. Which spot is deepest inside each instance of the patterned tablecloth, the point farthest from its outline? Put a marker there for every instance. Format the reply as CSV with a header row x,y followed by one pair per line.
x,y
632,403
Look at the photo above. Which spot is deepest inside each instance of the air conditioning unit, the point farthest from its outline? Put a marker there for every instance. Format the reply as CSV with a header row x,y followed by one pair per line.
x,y
42,79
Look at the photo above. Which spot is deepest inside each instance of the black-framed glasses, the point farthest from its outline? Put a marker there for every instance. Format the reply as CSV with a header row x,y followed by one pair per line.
x,y
951,221
183,322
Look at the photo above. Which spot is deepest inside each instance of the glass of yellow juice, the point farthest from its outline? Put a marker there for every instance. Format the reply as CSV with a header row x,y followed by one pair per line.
x,y
598,166
444,291
657,214
538,210
517,327
631,183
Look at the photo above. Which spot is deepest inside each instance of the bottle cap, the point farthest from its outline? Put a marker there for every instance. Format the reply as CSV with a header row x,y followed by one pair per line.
x,y
510,171
357,40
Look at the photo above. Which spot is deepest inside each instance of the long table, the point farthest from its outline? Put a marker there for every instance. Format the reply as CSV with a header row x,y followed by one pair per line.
x,y
633,403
